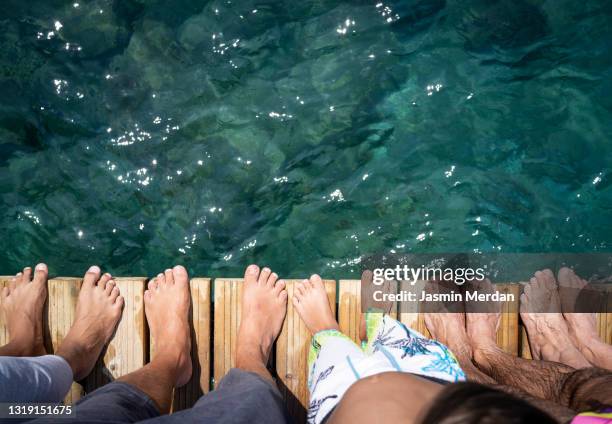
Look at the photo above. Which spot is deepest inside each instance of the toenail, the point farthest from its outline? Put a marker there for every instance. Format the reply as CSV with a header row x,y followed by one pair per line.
x,y
275,275
41,267
252,269
94,268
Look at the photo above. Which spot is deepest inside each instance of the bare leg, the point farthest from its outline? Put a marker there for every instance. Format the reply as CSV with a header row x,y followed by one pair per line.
x,y
310,300
167,308
98,311
552,381
264,306
583,326
547,330
22,305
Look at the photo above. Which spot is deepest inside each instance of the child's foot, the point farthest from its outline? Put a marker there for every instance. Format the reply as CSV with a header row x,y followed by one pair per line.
x,y
310,300
482,318
98,311
167,302
22,304
264,305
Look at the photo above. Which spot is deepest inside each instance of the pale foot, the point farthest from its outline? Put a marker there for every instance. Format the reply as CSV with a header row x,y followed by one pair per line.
x,y
264,306
547,330
311,302
98,311
22,303
167,302
582,327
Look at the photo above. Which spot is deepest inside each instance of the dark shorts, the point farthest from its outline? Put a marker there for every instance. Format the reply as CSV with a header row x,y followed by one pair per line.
x,y
241,397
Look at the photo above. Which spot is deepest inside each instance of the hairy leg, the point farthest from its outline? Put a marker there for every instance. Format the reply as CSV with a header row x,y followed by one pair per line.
x,y
21,304
449,329
167,308
551,381
264,305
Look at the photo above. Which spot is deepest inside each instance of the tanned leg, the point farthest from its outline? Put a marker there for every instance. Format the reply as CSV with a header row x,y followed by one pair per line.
x,y
167,308
21,304
551,381
449,329
582,326
264,306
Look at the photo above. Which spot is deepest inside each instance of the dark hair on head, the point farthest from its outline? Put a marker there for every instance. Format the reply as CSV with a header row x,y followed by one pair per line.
x,y
473,403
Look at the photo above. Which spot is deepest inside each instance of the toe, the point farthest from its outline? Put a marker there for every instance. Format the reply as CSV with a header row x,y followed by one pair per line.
x,y
91,276
119,302
279,286
180,274
299,290
106,277
27,275
272,280
110,286
316,281
169,276
13,282
263,276
306,285
40,274
152,285
160,281
148,294
251,273
283,296
114,293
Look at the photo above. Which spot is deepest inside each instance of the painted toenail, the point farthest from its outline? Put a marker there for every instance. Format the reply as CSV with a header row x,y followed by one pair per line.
x,y
94,268
41,267
252,269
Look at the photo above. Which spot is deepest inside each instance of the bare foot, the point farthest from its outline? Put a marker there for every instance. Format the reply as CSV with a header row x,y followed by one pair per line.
x,y
22,304
547,330
311,302
98,311
582,327
448,327
482,318
264,305
167,302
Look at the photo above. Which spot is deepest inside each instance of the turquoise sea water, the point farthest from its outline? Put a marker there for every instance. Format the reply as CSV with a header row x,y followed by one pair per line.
x,y
300,135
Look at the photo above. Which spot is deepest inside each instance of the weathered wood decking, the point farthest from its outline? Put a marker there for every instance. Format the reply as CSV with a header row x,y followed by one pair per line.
x,y
215,318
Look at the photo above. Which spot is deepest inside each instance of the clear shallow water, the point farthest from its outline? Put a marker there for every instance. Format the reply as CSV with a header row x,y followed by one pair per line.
x,y
300,135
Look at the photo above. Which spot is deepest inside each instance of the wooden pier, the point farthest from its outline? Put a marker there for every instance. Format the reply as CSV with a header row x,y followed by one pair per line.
x,y
215,317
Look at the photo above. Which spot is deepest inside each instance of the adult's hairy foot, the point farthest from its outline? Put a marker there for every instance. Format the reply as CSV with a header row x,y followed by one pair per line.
x,y
167,302
21,304
98,310
547,330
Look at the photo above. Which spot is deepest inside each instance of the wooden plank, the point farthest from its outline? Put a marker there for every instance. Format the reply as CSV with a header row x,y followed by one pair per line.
x,y
58,318
227,311
291,355
199,320
604,318
127,350
508,331
349,308
4,336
